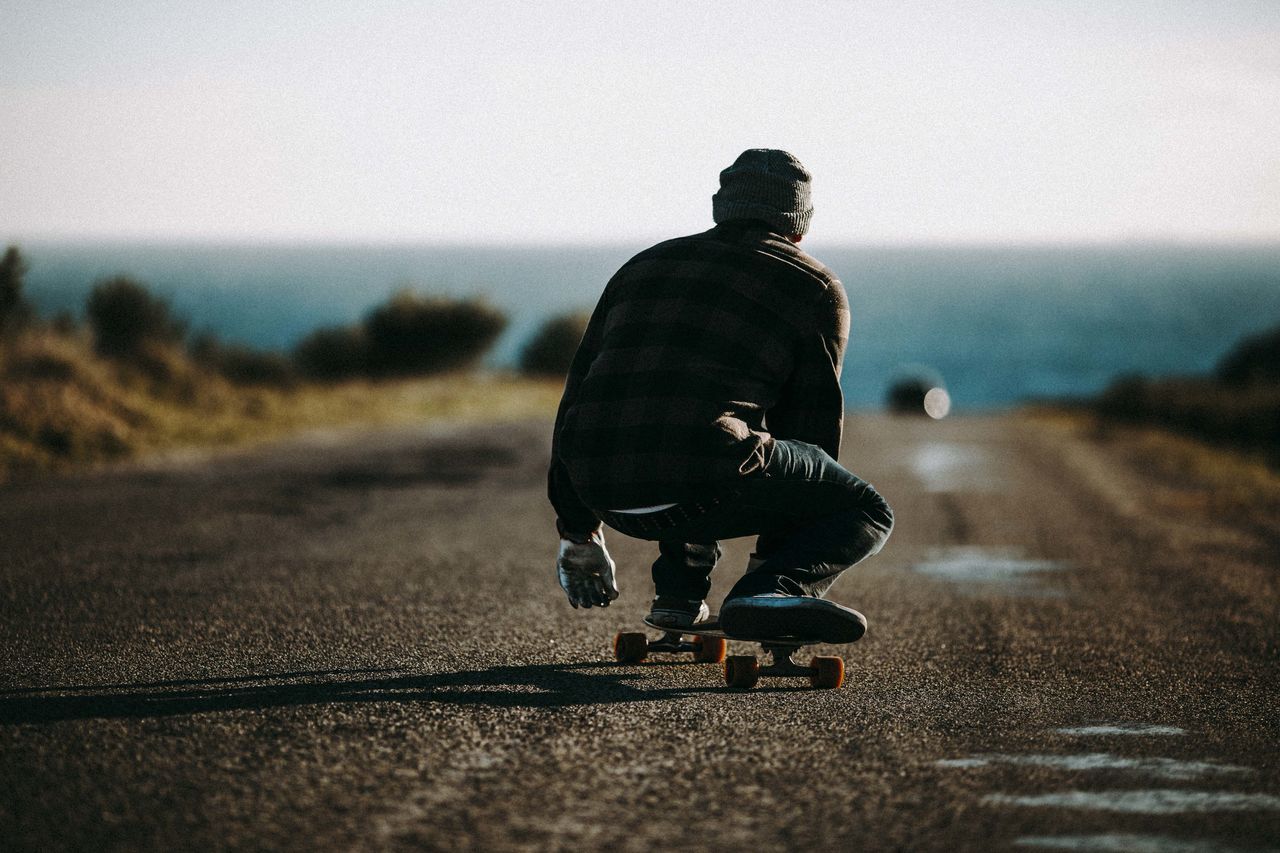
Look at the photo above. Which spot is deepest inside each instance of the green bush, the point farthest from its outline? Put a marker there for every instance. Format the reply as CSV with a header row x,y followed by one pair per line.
x,y
15,311
126,319
412,334
64,323
1253,360
551,350
1239,406
336,352
1197,406
244,365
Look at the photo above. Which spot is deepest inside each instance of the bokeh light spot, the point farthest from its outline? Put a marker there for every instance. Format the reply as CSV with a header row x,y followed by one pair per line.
x,y
937,403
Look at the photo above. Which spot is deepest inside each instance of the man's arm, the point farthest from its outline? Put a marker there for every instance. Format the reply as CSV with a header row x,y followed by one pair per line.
x,y
811,408
574,520
583,565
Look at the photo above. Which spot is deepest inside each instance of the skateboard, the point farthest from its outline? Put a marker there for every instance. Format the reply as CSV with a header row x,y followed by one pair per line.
x,y
708,645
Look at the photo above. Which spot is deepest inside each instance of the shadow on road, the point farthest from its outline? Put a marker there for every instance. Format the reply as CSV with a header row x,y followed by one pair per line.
x,y
533,686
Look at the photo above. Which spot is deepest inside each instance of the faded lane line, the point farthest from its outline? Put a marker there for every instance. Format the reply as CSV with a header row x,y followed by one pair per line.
x,y
1006,567
946,467
1122,729
1123,843
1161,768
990,565
1142,802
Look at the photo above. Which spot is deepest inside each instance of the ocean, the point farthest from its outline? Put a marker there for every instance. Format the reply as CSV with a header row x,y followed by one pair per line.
x,y
999,324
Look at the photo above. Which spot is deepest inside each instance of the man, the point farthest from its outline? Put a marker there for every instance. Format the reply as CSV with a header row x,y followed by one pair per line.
x,y
703,404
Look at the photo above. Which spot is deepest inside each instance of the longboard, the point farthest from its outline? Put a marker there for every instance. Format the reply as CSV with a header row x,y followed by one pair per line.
x,y
708,645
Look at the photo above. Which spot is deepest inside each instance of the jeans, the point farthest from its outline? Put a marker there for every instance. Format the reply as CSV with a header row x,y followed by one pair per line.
x,y
813,519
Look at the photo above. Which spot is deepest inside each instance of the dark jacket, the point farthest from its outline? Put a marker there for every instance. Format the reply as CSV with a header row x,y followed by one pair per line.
x,y
700,350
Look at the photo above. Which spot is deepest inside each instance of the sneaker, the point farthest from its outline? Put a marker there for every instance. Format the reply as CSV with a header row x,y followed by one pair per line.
x,y
677,613
776,615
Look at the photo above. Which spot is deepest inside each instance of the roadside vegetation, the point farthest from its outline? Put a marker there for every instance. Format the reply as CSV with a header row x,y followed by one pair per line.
x,y
130,378
409,335
1238,406
1211,443
551,350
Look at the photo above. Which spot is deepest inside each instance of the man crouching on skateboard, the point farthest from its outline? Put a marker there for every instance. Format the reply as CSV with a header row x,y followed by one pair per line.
x,y
704,404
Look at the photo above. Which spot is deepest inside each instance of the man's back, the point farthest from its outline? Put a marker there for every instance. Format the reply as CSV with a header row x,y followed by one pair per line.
x,y
704,404
694,342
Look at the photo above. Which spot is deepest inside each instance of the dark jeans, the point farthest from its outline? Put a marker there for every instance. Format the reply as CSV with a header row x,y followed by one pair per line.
x,y
814,519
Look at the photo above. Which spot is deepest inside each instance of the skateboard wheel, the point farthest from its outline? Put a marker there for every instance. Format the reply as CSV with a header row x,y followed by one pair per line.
x,y
709,649
826,672
741,671
630,648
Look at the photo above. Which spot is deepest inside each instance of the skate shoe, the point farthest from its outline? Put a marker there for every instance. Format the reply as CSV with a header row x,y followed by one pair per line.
x,y
775,615
677,613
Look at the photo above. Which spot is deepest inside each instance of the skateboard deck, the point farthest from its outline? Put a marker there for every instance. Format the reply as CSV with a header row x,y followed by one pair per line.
x,y
708,644
711,628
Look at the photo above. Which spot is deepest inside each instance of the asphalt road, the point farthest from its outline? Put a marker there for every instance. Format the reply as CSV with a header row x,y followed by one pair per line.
x,y
355,641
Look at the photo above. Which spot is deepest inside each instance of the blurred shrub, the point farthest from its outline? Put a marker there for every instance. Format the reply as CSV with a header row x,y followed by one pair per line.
x,y
15,311
908,388
337,352
163,370
127,321
1227,415
205,349
1238,406
1253,360
551,350
906,395
247,366
64,323
35,364
244,365
411,334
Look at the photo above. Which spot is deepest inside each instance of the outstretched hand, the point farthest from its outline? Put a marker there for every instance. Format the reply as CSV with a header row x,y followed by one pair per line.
x,y
586,572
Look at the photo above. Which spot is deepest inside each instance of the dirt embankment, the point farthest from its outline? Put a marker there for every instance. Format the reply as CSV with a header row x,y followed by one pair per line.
x,y
63,406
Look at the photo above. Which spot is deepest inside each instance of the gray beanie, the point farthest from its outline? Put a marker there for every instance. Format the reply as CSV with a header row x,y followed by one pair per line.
x,y
768,185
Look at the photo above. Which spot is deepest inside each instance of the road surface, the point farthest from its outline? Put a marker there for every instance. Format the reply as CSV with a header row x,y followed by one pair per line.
x,y
355,641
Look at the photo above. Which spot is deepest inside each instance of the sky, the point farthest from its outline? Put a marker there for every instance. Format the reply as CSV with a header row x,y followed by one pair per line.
x,y
570,122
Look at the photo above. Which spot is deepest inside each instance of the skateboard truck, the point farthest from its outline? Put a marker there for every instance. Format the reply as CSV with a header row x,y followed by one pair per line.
x,y
745,670
705,649
708,644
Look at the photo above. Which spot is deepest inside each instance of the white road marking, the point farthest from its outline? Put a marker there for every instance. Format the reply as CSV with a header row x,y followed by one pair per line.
x,y
1123,843
1168,801
970,564
946,467
1122,729
1161,768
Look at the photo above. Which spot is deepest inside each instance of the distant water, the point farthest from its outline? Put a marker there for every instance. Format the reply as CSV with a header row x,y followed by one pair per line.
x,y
999,324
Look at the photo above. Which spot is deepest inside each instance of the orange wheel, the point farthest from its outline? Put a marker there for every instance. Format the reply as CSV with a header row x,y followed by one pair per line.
x,y
709,649
826,672
630,648
741,671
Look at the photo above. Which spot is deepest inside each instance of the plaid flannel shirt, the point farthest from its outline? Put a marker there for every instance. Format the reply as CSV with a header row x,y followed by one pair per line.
x,y
700,350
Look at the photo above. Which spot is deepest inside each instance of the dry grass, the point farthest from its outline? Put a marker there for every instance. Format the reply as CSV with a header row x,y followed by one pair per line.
x,y
1199,479
63,406
1240,416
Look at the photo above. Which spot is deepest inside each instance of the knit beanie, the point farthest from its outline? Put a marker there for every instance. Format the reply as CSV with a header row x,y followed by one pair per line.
x,y
765,184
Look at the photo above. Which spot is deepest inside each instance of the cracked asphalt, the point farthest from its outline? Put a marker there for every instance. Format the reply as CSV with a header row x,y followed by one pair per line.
x,y
355,641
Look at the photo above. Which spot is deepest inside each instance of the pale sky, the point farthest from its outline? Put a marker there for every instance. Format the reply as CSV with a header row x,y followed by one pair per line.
x,y
609,121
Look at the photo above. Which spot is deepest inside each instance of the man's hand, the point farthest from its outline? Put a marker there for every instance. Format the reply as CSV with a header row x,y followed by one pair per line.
x,y
586,572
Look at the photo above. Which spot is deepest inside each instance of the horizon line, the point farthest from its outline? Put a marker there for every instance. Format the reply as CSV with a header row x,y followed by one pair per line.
x,y
908,243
